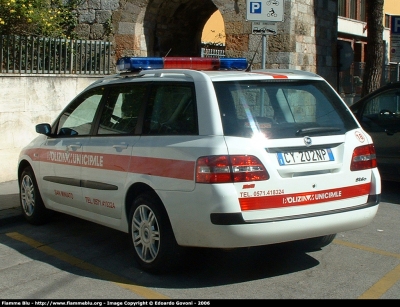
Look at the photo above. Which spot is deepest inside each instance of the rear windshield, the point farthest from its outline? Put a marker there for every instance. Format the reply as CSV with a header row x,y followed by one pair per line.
x,y
282,109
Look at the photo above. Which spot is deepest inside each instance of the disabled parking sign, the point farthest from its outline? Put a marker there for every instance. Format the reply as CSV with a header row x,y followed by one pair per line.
x,y
265,10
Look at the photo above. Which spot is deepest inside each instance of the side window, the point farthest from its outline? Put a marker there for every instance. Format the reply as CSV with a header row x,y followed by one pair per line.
x,y
121,110
77,119
171,110
387,102
382,112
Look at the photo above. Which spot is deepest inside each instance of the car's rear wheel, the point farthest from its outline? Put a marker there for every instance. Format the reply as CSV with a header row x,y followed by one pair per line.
x,y
314,243
152,238
31,201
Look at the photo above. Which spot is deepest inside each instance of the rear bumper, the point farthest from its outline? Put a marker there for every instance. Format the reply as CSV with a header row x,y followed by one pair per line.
x,y
236,233
237,218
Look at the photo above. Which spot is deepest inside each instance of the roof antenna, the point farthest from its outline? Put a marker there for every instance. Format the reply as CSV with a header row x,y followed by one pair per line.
x,y
254,55
168,52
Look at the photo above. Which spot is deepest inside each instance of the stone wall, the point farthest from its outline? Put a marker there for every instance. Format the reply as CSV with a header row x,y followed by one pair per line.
x,y
27,100
306,38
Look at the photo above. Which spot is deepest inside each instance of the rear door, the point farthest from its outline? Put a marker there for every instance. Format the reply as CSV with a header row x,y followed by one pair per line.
x,y
165,156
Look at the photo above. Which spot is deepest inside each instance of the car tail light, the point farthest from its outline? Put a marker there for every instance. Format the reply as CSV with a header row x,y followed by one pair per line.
x,y
364,157
223,169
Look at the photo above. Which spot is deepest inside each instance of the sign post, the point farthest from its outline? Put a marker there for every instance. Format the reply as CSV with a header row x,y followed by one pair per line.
x,y
264,14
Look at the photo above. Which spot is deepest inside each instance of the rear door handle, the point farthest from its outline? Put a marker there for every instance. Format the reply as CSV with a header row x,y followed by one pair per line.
x,y
120,146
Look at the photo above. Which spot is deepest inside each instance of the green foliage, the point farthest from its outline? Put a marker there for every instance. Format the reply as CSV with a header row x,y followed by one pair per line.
x,y
51,18
108,27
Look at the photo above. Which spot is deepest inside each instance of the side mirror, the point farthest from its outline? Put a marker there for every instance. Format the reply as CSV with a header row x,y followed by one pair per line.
x,y
43,129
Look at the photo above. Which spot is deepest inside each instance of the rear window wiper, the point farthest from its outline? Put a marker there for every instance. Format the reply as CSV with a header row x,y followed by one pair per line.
x,y
315,130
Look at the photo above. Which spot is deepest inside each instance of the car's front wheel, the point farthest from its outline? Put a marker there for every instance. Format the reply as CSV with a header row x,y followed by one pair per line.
x,y
152,238
31,201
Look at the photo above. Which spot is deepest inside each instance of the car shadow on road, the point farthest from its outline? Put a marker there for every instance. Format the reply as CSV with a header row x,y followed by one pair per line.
x,y
214,267
110,250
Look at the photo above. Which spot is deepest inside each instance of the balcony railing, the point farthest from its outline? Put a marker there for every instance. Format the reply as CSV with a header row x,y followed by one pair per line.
x,y
212,51
39,55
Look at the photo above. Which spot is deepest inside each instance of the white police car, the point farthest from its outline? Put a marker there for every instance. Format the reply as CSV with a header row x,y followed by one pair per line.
x,y
200,152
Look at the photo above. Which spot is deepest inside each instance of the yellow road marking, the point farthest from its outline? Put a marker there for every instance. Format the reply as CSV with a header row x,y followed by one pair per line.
x,y
104,274
386,282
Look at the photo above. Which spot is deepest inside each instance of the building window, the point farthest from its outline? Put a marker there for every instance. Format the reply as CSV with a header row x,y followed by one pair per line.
x,y
342,8
387,21
363,14
353,9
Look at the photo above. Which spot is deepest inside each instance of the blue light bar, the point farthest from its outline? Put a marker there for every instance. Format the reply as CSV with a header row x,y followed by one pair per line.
x,y
233,63
130,64
135,64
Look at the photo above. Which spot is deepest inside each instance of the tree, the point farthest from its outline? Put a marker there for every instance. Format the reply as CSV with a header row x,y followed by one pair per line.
x,y
374,50
51,18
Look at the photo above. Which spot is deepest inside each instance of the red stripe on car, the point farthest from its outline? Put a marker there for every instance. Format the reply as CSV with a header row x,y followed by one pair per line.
x,y
170,168
300,199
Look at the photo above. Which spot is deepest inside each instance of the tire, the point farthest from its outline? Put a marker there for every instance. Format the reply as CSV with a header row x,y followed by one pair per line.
x,y
33,208
315,243
154,245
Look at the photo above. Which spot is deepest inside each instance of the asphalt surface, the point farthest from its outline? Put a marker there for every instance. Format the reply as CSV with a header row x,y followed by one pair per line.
x,y
10,209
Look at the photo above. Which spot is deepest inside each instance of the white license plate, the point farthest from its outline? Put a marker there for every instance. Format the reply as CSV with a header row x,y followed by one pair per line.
x,y
306,156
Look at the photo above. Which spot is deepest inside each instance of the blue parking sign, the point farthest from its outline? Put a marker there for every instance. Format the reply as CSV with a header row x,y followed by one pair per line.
x,y
255,7
395,25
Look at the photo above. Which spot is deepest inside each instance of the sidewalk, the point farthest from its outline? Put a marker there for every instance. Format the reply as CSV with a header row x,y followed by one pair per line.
x,y
9,202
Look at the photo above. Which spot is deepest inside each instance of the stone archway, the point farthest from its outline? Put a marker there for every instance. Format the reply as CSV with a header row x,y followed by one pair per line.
x,y
161,27
176,27
306,39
